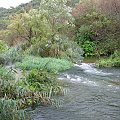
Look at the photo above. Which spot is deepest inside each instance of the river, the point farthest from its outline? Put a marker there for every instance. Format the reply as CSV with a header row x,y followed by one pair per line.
x,y
93,94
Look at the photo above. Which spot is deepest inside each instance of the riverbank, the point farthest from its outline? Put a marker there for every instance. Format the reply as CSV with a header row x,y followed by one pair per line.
x,y
30,83
111,61
104,62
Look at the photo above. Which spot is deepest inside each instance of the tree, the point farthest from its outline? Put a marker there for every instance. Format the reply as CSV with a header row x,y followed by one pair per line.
x,y
58,14
29,25
46,29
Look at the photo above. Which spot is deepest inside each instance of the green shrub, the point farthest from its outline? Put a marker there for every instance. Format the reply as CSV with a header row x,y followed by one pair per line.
x,y
83,34
112,61
71,52
9,110
84,39
7,81
88,48
12,55
38,87
3,47
50,64
100,29
5,74
57,46
15,54
43,81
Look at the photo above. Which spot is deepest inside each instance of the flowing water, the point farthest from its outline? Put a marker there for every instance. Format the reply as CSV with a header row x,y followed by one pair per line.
x,y
94,94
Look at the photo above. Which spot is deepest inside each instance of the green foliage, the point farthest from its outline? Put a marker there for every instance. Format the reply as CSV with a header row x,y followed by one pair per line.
x,y
35,25
84,39
3,46
71,51
12,55
46,30
59,47
50,64
42,77
99,28
42,23
35,87
72,3
10,110
53,10
88,48
10,90
5,74
84,34
112,61
7,80
44,81
4,59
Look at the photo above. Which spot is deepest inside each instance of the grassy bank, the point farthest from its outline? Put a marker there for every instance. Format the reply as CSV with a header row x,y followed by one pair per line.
x,y
112,61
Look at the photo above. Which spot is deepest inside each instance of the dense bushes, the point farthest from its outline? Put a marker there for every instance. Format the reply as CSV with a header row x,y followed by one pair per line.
x,y
96,30
112,61
47,31
9,108
89,48
97,26
11,55
44,81
59,47
34,87
6,80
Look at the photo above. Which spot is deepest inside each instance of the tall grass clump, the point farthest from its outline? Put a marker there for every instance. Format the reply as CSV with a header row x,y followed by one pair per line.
x,y
50,64
9,110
